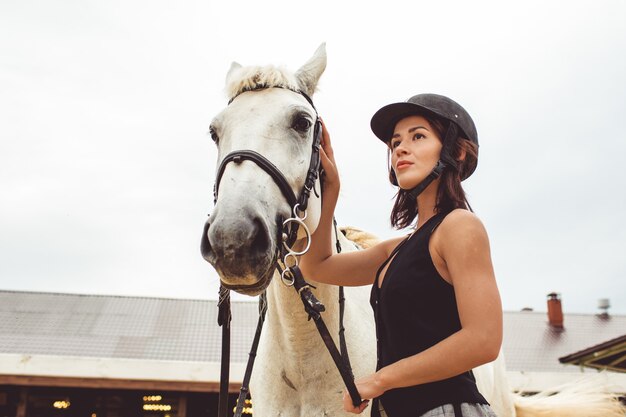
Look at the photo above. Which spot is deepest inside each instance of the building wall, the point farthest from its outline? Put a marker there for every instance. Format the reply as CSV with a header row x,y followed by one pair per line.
x,y
50,401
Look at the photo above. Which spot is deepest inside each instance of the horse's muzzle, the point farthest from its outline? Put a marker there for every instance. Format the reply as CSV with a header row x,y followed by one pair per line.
x,y
240,248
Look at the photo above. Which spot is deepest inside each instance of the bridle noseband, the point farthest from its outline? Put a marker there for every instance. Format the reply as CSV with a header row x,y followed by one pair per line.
x,y
271,169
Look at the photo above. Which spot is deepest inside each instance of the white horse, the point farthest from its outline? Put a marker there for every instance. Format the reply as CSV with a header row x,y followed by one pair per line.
x,y
294,375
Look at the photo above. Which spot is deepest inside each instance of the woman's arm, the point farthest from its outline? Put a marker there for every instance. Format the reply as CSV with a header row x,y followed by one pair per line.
x,y
464,246
319,263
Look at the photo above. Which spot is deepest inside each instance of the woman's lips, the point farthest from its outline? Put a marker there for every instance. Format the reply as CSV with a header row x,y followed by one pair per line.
x,y
403,164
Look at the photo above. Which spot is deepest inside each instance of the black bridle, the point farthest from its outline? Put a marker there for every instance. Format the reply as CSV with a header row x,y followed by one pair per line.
x,y
312,305
270,168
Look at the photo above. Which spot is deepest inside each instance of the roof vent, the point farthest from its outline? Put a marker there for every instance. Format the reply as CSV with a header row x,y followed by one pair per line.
x,y
604,304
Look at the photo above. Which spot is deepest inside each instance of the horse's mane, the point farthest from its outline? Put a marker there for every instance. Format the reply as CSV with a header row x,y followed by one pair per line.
x,y
360,237
250,78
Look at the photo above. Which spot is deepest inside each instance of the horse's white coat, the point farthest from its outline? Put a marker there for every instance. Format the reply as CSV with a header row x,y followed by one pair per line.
x,y
294,375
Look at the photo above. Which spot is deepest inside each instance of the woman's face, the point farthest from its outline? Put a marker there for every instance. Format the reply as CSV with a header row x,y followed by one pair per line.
x,y
415,150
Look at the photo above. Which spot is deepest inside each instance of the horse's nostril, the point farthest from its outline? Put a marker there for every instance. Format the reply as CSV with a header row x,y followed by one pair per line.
x,y
236,243
260,237
205,245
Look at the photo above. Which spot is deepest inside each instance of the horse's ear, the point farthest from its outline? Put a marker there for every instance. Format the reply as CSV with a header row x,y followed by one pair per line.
x,y
233,68
309,74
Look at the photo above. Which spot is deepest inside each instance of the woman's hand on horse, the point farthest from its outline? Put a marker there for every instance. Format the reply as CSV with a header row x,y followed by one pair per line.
x,y
327,158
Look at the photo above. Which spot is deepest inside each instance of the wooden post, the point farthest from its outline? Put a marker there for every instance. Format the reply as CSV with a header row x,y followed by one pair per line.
x,y
182,405
21,406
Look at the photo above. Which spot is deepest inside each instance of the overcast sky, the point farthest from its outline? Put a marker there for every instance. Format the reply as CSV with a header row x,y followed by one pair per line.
x,y
106,167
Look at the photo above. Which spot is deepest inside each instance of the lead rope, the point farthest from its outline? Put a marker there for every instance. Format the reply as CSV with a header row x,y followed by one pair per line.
x,y
292,276
342,330
223,320
244,390
314,307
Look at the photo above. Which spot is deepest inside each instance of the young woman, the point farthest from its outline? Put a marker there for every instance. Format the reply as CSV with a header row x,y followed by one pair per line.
x,y
434,294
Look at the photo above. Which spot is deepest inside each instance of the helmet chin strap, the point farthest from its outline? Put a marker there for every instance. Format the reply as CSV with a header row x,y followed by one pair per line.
x,y
434,174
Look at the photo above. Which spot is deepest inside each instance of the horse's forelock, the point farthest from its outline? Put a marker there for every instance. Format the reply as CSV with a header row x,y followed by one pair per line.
x,y
250,78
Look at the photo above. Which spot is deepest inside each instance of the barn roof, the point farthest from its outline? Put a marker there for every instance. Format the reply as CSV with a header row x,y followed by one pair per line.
x,y
106,326
531,344
103,326
608,355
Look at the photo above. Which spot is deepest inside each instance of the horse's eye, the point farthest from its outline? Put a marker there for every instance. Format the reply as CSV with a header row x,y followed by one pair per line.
x,y
214,136
302,124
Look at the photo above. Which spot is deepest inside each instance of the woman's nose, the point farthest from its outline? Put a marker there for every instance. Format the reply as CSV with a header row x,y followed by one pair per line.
x,y
400,148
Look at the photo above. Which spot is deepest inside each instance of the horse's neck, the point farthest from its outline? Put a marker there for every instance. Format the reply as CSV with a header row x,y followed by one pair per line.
x,y
289,322
285,307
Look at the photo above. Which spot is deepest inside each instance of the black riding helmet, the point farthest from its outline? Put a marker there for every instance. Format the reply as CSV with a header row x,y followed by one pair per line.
x,y
384,121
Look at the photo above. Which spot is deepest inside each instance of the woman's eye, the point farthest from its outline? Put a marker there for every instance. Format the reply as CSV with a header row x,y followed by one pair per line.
x,y
214,136
418,136
302,124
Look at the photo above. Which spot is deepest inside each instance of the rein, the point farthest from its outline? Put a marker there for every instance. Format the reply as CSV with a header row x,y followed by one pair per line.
x,y
289,272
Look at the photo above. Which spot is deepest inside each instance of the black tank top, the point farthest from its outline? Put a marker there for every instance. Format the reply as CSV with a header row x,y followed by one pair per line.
x,y
414,309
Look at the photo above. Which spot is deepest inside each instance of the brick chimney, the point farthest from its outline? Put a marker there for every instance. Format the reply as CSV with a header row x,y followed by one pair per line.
x,y
555,312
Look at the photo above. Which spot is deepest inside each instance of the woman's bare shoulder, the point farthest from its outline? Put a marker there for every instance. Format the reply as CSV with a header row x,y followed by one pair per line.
x,y
461,219
461,227
390,244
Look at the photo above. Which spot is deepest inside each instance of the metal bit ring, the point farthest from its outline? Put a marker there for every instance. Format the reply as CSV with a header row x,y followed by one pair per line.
x,y
299,222
295,212
295,260
287,281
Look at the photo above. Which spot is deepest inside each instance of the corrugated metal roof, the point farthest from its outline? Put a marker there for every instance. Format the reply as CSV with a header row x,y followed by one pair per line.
x,y
530,344
120,327
186,330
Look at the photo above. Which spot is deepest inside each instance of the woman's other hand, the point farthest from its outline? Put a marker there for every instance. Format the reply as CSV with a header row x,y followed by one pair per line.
x,y
327,159
368,387
349,407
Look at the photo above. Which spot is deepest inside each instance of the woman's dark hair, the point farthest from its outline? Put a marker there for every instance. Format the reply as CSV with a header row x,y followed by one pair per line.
x,y
450,194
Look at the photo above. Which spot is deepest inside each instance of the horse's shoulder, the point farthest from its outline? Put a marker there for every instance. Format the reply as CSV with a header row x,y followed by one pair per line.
x,y
362,238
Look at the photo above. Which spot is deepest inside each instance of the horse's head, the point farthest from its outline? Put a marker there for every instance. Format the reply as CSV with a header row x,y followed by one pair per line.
x,y
268,115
